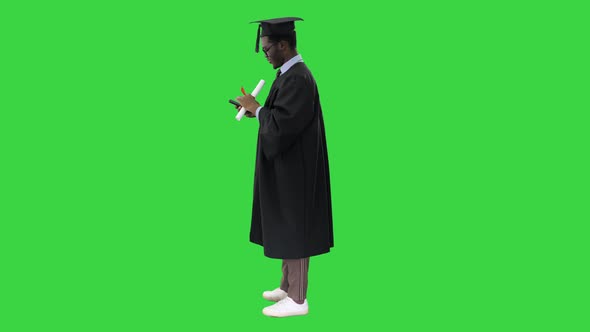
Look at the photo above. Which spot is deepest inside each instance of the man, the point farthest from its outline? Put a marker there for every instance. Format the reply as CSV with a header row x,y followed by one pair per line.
x,y
292,211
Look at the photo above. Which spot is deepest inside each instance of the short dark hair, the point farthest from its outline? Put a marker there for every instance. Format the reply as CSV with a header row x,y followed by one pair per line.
x,y
291,39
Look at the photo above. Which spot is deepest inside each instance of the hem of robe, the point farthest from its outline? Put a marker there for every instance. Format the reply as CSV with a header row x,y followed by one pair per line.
x,y
312,253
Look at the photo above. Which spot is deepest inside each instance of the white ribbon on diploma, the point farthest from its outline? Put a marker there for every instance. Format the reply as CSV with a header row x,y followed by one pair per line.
x,y
254,94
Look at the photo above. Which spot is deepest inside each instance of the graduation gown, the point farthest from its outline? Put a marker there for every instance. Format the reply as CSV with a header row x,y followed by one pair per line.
x,y
292,209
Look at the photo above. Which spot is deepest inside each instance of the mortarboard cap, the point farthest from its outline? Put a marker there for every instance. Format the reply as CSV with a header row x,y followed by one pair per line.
x,y
283,26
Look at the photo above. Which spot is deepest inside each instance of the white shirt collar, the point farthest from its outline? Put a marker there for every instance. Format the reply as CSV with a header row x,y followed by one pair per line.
x,y
287,65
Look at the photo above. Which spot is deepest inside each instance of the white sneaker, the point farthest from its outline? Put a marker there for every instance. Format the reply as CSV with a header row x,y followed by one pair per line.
x,y
286,307
275,295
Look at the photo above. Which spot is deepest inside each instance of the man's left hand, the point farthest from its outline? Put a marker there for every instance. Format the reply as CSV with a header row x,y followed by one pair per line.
x,y
249,103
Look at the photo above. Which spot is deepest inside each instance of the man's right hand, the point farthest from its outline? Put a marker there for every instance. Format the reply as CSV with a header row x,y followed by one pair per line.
x,y
248,114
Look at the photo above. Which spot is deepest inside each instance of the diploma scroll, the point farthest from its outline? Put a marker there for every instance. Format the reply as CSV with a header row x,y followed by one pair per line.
x,y
254,94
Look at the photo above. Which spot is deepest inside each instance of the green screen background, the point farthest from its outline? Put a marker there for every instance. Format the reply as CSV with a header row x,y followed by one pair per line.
x,y
457,139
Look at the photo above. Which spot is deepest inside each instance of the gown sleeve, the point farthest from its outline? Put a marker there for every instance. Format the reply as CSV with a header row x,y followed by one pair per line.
x,y
291,112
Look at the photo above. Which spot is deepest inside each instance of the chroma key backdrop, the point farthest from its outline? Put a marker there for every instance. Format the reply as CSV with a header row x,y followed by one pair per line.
x,y
457,138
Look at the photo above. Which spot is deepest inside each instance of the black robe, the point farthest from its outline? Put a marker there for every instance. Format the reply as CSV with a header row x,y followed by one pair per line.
x,y
292,209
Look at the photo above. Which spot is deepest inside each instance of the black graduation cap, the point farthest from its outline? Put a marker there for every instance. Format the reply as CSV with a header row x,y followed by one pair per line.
x,y
284,26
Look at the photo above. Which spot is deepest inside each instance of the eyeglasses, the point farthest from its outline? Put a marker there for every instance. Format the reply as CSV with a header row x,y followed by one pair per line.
x,y
268,49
